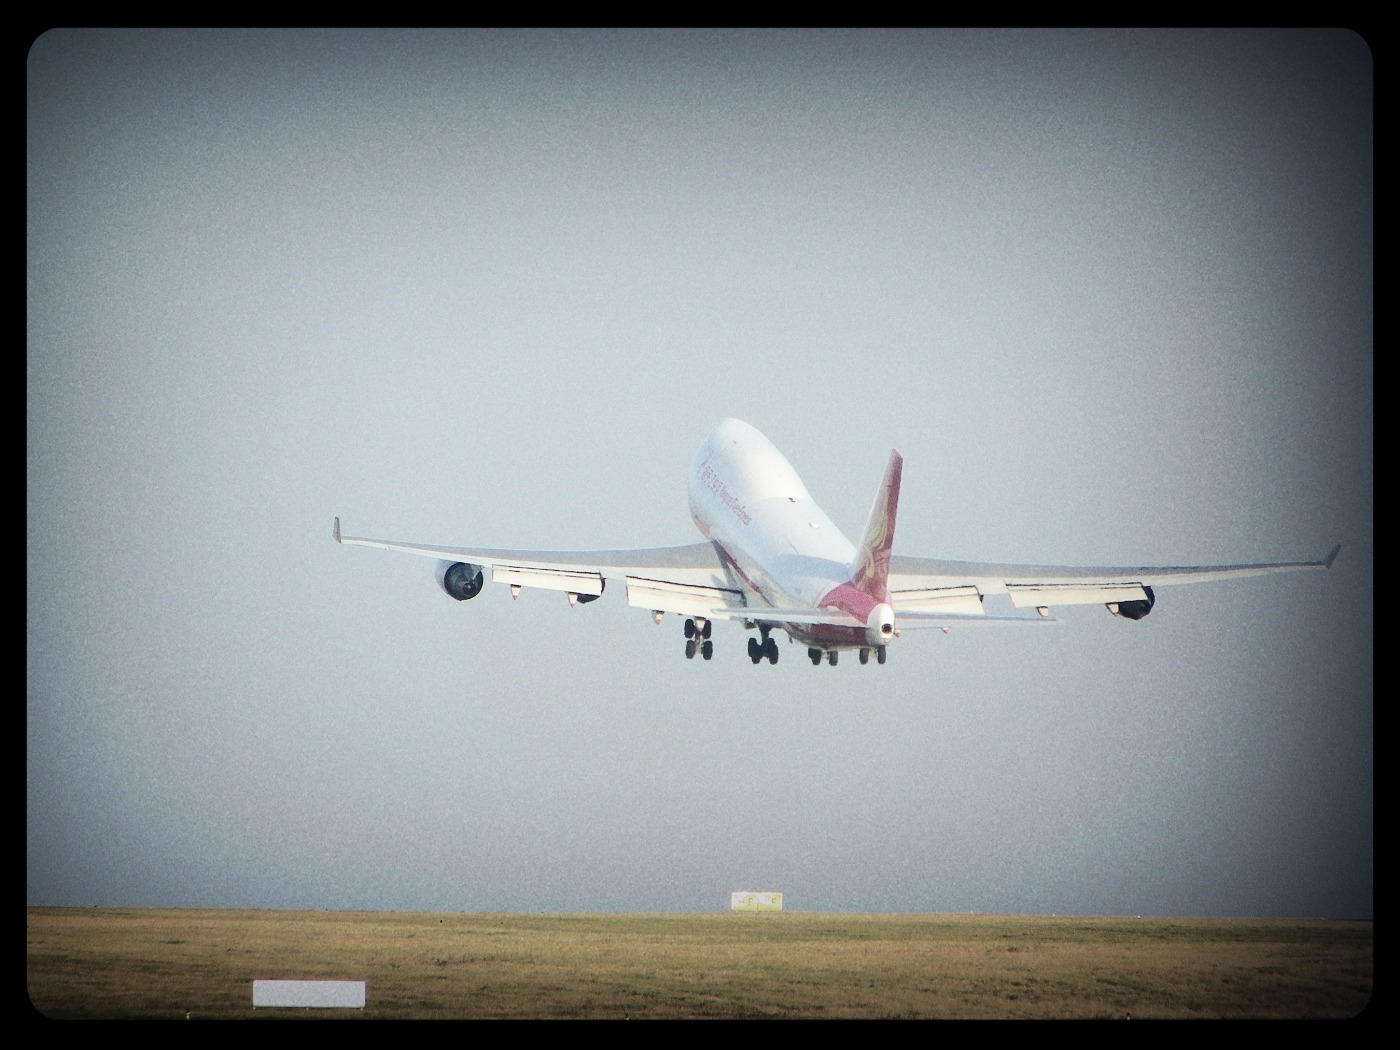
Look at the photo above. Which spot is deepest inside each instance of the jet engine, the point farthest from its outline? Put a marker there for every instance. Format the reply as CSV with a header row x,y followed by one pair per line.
x,y
1138,609
460,580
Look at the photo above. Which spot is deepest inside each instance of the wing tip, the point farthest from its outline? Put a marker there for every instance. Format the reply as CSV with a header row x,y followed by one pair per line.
x,y
1327,561
335,530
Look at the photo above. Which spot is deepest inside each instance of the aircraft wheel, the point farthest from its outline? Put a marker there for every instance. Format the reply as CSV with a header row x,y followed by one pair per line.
x,y
690,649
771,650
755,652
815,655
707,649
880,654
864,656
709,626
831,658
690,628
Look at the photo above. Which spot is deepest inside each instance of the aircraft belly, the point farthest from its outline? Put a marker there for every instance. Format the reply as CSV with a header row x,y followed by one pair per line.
x,y
827,636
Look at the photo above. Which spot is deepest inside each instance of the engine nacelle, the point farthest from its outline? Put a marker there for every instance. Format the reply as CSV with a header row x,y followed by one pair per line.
x,y
1138,609
461,580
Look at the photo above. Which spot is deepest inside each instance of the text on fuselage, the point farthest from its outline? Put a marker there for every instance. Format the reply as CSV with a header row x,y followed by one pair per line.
x,y
712,482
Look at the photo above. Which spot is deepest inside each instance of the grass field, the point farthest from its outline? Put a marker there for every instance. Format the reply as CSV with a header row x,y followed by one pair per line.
x,y
120,963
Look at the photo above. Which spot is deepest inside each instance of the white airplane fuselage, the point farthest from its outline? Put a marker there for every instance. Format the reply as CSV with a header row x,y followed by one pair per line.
x,y
775,542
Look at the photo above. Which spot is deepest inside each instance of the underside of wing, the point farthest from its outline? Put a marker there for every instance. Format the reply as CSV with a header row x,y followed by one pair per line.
x,y
934,585
688,579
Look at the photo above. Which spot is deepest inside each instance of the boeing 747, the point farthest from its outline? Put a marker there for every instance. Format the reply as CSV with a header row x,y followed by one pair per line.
x,y
772,559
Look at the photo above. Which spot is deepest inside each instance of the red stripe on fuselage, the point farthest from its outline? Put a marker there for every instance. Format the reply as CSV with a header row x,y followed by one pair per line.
x,y
728,559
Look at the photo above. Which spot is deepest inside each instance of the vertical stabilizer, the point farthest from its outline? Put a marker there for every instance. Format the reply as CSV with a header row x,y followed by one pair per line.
x,y
871,572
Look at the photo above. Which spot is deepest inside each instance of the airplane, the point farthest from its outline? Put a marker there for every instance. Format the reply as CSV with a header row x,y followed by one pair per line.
x,y
772,559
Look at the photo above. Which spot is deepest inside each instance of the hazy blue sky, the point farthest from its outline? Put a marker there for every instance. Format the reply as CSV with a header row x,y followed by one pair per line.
x,y
1110,293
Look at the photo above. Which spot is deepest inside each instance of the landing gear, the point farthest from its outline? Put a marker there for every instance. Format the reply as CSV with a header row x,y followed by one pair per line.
x,y
831,655
697,638
766,649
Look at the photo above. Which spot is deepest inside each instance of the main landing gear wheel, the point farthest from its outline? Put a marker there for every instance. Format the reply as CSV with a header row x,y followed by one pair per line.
x,y
831,657
764,650
864,656
815,655
880,654
697,638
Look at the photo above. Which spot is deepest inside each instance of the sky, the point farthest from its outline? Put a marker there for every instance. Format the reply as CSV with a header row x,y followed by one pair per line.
x,y
1109,293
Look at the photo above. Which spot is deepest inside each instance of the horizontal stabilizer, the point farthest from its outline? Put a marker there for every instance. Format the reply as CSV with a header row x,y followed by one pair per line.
x,y
913,621
909,620
819,617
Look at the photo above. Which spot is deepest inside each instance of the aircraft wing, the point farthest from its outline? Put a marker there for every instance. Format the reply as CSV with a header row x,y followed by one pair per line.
x,y
934,585
688,579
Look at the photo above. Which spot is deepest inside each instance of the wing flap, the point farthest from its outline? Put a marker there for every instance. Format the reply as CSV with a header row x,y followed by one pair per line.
x,y
571,580
1033,595
716,603
966,600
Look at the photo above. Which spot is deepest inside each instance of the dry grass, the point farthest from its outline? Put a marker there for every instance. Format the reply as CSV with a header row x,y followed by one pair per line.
x,y
112,963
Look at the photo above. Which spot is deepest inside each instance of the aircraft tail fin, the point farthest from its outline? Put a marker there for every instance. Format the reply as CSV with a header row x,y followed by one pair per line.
x,y
870,574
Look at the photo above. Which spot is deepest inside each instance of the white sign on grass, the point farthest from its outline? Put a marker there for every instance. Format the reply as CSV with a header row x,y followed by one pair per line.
x,y
309,993
749,900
